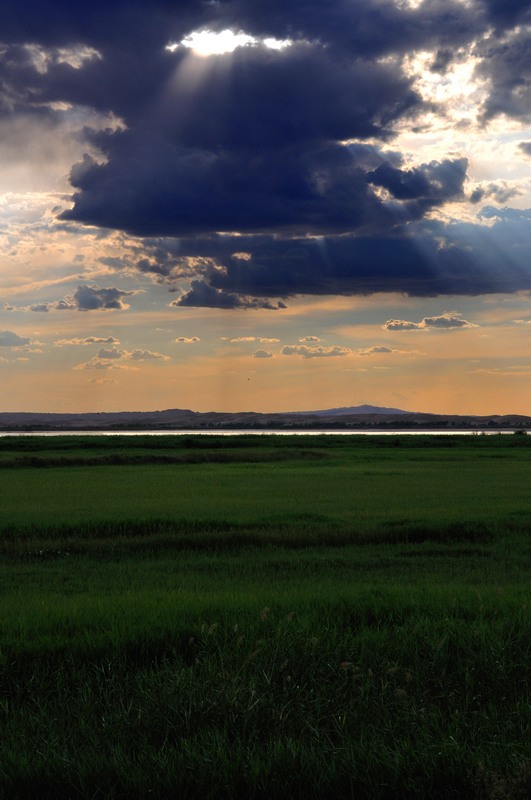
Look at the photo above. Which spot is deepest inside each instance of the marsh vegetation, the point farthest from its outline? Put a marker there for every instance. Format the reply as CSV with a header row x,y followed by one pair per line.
x,y
278,617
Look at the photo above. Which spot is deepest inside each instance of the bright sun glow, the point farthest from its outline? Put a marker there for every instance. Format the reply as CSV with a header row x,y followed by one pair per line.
x,y
209,43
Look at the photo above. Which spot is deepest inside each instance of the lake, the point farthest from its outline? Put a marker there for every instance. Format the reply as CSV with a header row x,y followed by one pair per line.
x,y
251,432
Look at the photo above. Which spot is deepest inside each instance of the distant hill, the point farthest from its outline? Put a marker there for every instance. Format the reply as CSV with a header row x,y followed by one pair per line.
x,y
364,409
364,417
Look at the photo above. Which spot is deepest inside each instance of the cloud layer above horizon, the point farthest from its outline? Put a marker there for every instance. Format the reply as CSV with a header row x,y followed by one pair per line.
x,y
358,150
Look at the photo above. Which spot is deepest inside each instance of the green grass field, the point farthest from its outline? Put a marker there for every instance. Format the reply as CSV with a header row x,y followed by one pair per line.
x,y
265,617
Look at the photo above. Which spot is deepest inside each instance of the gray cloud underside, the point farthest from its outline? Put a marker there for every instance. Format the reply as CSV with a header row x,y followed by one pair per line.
x,y
257,144
206,296
11,339
88,340
88,298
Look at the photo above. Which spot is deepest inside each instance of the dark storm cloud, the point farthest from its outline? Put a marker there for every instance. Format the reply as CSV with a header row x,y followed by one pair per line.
x,y
425,186
373,26
311,189
506,64
463,259
499,192
89,298
254,146
133,68
508,12
203,295
275,98
257,142
335,49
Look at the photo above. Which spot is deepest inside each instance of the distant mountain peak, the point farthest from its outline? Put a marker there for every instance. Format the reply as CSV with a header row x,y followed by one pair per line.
x,y
363,409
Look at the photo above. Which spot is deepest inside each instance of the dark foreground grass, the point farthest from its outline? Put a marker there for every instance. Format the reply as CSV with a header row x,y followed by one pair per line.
x,y
379,692
350,627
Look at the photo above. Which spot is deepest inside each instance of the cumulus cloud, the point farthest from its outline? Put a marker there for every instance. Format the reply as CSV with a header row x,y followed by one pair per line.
x,y
309,339
370,351
146,355
87,298
261,339
305,351
402,325
424,186
203,295
382,350
112,358
499,192
112,352
447,321
506,68
101,364
262,354
11,339
187,340
87,340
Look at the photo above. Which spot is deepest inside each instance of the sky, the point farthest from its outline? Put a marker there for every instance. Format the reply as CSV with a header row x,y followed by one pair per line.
x,y
261,205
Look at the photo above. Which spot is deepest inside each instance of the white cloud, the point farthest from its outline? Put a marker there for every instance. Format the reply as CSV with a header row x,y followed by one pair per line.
x,y
209,43
146,355
315,352
261,339
113,358
446,321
